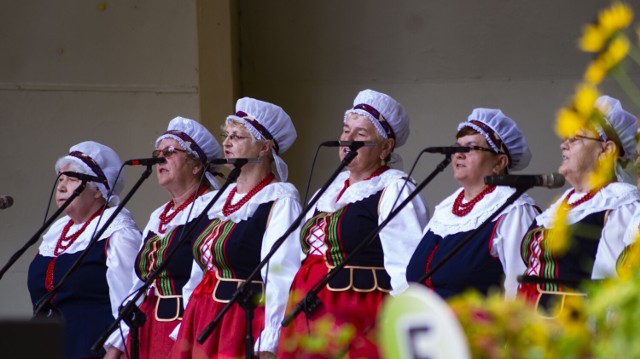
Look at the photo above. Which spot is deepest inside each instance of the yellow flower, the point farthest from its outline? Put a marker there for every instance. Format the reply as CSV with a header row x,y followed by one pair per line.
x,y
585,99
558,239
593,39
572,315
629,260
610,21
615,18
568,123
596,72
607,60
616,52
604,170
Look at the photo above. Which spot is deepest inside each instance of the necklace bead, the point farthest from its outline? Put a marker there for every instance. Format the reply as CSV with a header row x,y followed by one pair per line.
x,y
582,199
229,208
166,218
462,209
65,242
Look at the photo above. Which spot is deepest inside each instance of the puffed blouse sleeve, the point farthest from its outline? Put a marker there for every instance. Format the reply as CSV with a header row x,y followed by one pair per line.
x,y
613,240
401,235
121,254
282,267
511,228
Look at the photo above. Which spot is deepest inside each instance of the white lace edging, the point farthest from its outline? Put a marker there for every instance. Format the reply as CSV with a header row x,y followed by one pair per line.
x,y
272,192
612,196
50,239
444,222
181,218
357,191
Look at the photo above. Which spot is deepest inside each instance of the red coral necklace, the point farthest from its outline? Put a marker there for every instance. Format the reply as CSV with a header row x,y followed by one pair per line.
x,y
229,208
582,199
462,209
65,242
166,218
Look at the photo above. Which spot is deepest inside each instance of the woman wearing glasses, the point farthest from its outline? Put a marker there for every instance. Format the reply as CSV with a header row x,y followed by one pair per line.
x,y
597,215
187,147
353,206
104,277
250,216
492,258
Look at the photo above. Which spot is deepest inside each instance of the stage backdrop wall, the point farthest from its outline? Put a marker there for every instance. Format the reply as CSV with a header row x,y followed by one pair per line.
x,y
114,72
117,72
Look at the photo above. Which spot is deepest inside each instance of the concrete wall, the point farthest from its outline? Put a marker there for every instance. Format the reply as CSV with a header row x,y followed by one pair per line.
x,y
118,71
115,72
439,58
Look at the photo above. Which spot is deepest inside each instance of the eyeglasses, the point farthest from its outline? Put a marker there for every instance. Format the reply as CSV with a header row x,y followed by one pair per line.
x,y
477,148
166,152
574,139
232,137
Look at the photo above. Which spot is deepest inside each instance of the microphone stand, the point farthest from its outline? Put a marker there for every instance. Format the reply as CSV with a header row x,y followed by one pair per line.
x,y
243,294
519,191
130,313
92,242
311,301
44,226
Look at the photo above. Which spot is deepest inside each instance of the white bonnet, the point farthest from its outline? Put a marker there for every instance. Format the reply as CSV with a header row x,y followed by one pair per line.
x,y
95,159
622,122
266,121
196,140
385,113
502,135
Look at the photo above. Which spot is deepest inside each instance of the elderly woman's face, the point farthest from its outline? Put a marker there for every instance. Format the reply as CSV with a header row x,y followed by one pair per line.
x,y
579,157
81,205
369,159
178,171
470,168
238,142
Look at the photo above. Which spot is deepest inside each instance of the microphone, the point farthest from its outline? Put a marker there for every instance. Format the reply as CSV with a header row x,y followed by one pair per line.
x,y
448,150
549,180
234,161
6,202
145,161
358,144
84,177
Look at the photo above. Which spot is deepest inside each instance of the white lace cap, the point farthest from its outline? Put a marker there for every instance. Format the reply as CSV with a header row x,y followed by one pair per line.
x,y
196,140
502,135
266,121
95,159
385,113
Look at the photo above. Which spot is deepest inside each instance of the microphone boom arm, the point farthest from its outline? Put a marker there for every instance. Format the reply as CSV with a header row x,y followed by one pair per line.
x,y
519,191
130,309
311,301
242,290
76,265
39,232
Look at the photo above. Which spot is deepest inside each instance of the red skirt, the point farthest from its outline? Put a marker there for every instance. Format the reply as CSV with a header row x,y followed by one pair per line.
x,y
154,335
227,339
344,323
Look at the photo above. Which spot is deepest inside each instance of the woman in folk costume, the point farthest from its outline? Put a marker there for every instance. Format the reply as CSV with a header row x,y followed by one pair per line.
x,y
250,216
187,147
352,207
103,279
597,216
492,258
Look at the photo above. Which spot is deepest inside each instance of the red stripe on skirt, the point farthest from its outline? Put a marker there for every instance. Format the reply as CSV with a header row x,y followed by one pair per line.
x,y
154,335
342,308
228,338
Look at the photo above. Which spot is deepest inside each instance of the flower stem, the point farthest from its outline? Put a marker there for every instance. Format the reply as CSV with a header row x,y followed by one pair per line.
x,y
620,75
